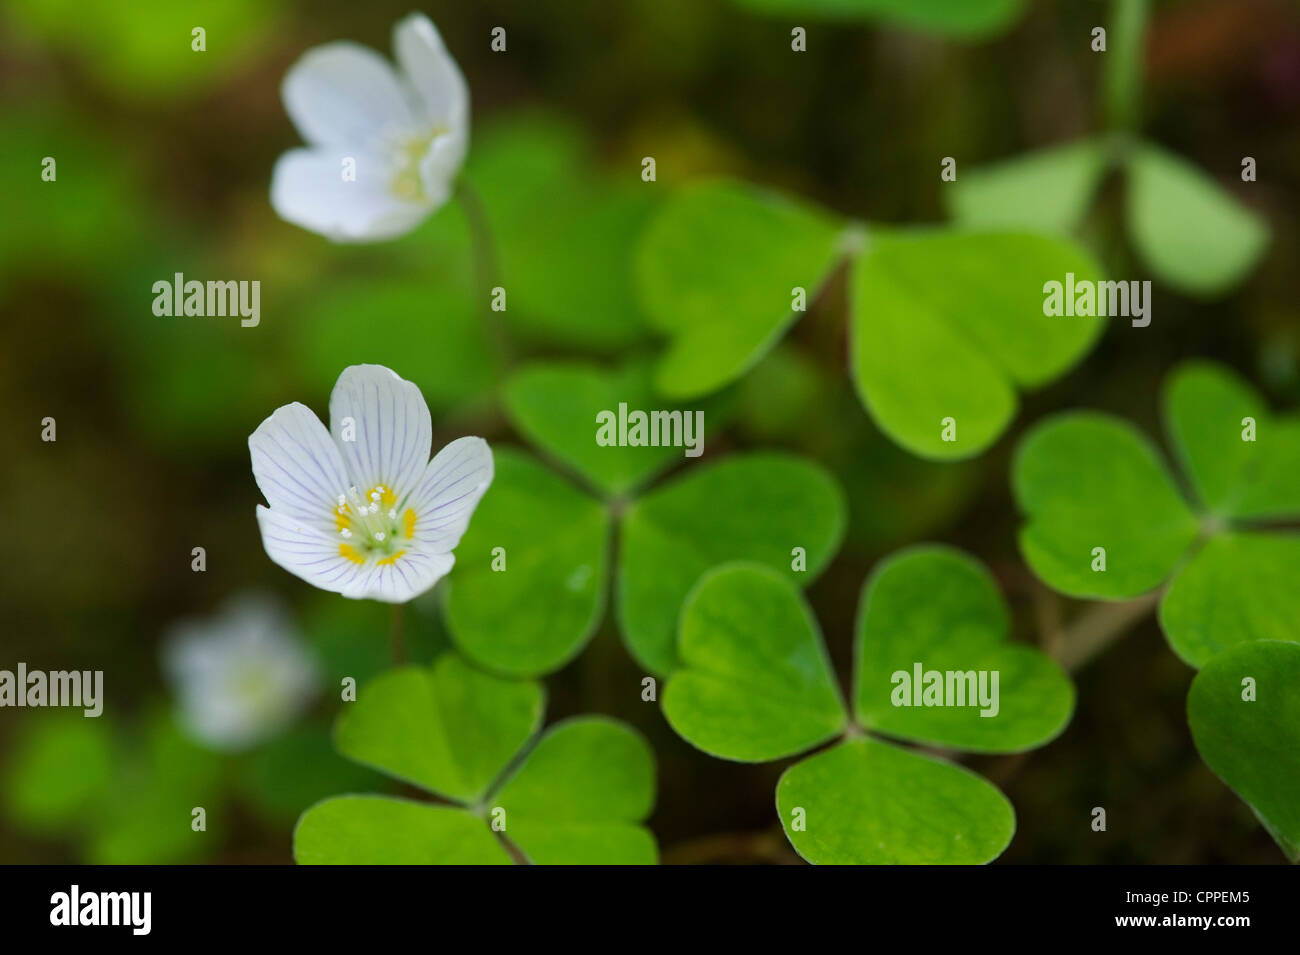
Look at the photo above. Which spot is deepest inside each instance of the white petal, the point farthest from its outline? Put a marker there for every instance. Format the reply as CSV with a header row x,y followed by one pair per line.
x,y
343,94
404,579
450,489
432,72
308,552
298,467
308,189
391,429
440,164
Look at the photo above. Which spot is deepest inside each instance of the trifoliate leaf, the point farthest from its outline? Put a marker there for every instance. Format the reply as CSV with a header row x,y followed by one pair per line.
x,y
380,830
1192,233
864,802
934,610
947,325
960,18
1045,191
755,683
716,272
450,729
564,409
1243,462
580,794
1239,587
1244,711
1089,483
775,509
529,585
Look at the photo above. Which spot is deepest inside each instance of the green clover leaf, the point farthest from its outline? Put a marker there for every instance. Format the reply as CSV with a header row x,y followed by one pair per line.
x,y
939,606
772,508
1104,517
562,228
716,272
755,684
959,18
1048,190
547,541
750,699
946,326
938,318
1192,233
578,795
1244,711
558,407
448,729
866,802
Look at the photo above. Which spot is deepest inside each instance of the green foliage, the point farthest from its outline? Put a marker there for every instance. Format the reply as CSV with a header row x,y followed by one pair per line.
x,y
144,816
537,613
757,507
432,331
948,325
57,770
1048,190
143,49
296,770
1086,481
937,317
578,795
939,606
1192,233
756,684
960,18
555,405
870,803
716,272
124,796
448,729
1251,738
562,228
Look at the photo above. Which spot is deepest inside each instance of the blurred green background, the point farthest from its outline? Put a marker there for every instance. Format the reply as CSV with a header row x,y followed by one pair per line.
x,y
164,158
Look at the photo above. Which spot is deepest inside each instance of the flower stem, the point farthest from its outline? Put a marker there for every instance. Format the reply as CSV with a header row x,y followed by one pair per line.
x,y
1128,20
397,634
486,271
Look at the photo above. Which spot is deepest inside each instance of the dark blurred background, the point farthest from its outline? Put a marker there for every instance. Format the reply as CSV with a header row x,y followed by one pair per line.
x,y
164,159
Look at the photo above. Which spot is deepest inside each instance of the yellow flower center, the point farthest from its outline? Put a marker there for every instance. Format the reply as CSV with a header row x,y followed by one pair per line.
x,y
371,527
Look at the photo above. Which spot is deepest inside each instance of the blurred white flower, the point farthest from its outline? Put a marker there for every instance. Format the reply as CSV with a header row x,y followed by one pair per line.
x,y
384,145
241,675
360,509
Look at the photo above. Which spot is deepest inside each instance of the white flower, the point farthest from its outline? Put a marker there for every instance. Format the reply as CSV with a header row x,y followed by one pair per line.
x,y
383,147
240,675
360,509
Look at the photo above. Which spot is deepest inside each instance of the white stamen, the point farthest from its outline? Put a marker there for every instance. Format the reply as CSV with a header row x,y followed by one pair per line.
x,y
379,535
